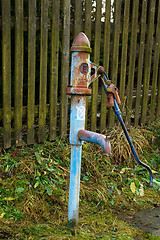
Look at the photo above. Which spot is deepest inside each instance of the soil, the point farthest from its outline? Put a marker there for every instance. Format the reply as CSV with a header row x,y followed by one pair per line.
x,y
146,220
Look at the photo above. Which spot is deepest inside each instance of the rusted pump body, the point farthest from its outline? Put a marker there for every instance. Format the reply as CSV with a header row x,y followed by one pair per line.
x,y
78,89
81,78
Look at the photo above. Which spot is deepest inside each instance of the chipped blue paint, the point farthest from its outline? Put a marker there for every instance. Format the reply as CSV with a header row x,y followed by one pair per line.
x,y
78,85
77,117
78,89
75,172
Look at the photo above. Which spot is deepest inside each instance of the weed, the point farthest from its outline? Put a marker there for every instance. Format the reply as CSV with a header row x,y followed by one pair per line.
x,y
34,183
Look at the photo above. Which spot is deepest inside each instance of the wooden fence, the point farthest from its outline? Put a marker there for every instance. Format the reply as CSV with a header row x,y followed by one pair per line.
x,y
36,36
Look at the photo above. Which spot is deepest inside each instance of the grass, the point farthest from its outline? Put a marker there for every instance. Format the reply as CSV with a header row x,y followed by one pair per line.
x,y
34,188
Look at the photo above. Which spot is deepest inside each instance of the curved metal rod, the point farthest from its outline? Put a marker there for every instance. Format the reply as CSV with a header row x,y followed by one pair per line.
x,y
118,114
134,152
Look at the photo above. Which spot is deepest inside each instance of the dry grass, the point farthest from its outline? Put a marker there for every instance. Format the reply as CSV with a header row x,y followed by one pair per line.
x,y
34,185
120,147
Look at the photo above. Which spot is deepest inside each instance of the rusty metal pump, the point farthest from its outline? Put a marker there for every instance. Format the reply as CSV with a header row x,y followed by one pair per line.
x,y
83,73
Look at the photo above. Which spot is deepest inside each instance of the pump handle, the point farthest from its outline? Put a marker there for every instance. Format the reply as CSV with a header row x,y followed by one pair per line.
x,y
118,114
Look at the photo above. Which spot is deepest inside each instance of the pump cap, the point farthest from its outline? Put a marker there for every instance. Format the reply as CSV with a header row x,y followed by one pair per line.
x,y
81,44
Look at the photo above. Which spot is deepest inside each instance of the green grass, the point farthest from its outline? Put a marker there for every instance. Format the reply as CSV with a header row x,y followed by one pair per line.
x,y
34,188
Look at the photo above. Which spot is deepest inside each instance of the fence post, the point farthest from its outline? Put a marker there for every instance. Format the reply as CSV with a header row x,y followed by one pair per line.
x,y
155,67
124,51
78,17
148,58
65,65
54,69
115,56
132,60
106,53
87,31
140,63
43,70
31,70
18,98
6,70
96,60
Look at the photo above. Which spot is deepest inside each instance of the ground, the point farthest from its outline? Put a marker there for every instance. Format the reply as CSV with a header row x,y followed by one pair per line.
x,y
115,199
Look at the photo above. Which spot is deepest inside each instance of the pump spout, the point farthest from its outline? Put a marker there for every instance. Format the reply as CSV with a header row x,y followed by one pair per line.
x,y
101,139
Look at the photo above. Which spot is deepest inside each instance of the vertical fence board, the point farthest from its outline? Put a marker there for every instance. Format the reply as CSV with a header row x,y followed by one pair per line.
x,y
18,71
88,9
140,62
124,51
155,68
147,64
106,52
115,56
78,17
96,60
65,65
31,70
54,67
132,60
158,99
6,72
43,70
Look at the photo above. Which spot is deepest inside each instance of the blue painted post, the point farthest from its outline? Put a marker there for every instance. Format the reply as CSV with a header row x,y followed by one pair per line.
x,y
75,172
78,89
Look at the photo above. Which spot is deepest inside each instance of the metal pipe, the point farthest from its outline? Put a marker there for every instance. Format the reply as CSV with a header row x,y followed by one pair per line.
x,y
134,151
100,139
74,186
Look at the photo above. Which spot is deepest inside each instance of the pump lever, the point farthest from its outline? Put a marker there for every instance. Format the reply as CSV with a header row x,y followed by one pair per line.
x,y
118,114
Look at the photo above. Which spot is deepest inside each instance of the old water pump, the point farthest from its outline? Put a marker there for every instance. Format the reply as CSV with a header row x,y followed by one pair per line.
x,y
78,89
80,80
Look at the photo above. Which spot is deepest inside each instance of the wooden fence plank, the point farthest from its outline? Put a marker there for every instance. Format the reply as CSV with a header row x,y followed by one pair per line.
x,y
31,70
124,51
115,56
132,60
148,57
114,67
140,63
106,53
87,31
6,71
96,61
88,9
54,67
18,71
78,17
158,98
65,65
43,70
155,68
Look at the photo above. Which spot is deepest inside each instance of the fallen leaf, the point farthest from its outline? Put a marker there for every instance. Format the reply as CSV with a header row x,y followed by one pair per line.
x,y
133,187
2,215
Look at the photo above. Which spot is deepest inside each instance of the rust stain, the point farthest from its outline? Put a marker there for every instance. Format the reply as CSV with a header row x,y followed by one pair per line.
x,y
78,90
